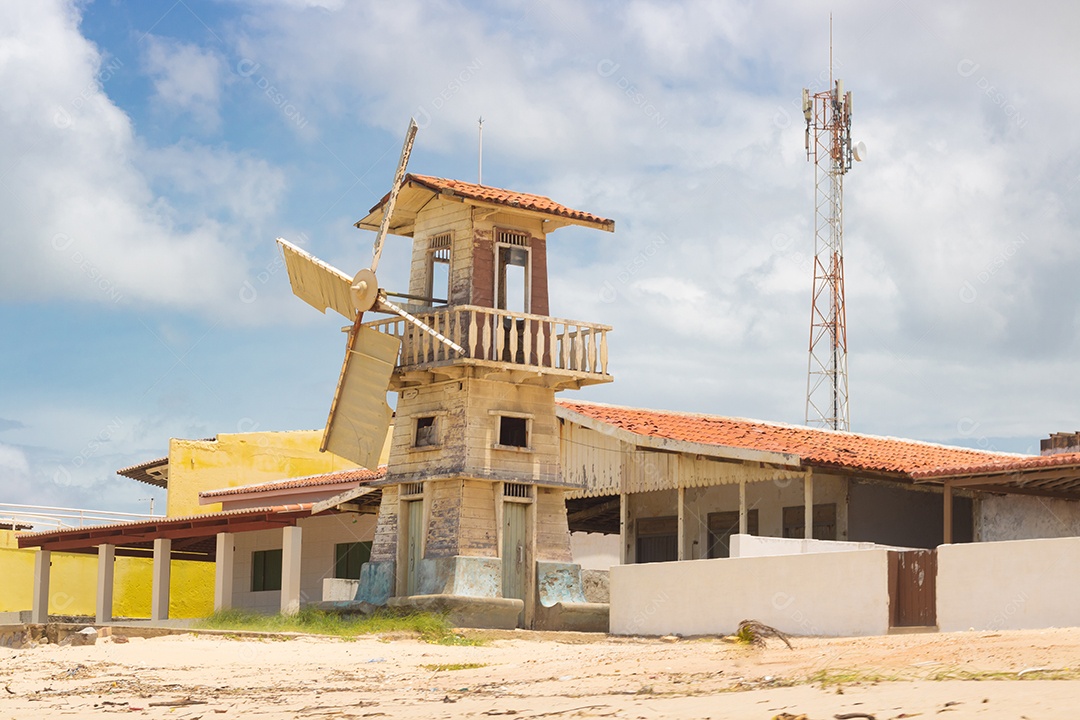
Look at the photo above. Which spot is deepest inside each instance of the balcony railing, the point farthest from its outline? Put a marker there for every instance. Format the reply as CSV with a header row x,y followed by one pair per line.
x,y
499,336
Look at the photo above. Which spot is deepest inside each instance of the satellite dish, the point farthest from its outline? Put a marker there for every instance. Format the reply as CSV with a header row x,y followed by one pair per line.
x,y
859,151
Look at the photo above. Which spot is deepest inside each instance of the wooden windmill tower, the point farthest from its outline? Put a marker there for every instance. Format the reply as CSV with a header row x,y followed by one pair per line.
x,y
473,515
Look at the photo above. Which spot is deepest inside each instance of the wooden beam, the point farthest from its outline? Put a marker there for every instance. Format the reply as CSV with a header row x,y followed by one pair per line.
x,y
947,511
681,512
743,523
594,511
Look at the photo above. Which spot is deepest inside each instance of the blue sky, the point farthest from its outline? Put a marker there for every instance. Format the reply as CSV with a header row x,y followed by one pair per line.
x,y
151,153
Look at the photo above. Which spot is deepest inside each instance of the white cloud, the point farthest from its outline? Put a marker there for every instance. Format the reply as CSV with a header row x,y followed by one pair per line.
x,y
83,218
186,77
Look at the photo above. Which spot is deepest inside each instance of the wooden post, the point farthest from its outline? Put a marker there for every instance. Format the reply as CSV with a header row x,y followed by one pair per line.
x,y
39,613
744,525
159,591
624,517
223,571
947,498
808,504
291,544
682,523
105,569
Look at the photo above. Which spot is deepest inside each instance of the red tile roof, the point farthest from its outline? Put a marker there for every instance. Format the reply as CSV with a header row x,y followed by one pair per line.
x,y
358,475
815,446
498,196
1006,465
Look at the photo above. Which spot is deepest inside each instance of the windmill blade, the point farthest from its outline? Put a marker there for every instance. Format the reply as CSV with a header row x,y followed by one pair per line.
x,y
317,283
385,305
388,209
359,415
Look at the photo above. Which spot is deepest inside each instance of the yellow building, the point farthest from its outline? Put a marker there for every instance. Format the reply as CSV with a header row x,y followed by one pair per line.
x,y
191,467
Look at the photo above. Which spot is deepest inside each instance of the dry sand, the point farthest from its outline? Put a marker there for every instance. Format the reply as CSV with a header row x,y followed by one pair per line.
x,y
551,675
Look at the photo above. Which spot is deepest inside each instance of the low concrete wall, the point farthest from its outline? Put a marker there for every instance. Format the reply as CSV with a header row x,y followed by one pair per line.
x,y
755,546
1010,585
833,594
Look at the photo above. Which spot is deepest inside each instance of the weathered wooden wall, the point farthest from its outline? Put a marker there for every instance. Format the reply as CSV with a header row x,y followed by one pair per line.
x,y
552,533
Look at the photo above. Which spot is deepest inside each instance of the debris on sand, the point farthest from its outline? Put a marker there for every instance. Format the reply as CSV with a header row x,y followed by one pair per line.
x,y
753,632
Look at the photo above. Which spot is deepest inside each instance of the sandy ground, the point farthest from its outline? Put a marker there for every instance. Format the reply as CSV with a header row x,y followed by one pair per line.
x,y
552,675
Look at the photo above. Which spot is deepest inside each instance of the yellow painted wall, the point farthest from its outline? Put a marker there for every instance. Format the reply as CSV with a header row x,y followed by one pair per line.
x,y
231,460
73,584
239,459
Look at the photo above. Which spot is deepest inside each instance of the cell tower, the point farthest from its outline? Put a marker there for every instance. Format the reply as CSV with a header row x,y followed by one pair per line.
x,y
829,147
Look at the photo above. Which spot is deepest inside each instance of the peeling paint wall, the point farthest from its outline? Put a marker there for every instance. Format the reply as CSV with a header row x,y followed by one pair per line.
x,y
1021,517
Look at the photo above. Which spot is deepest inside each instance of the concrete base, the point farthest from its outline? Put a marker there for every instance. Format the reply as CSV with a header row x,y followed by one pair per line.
x,y
577,617
470,612
479,577
376,582
339,590
595,584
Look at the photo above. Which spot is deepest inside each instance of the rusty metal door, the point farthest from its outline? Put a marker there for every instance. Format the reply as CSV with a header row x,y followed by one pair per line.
x,y
912,588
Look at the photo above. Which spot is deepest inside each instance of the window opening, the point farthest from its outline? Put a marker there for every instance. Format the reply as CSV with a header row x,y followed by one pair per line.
x,y
349,558
426,435
265,570
513,431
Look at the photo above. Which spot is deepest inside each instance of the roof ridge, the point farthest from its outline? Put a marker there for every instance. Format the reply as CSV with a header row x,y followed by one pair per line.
x,y
302,478
791,426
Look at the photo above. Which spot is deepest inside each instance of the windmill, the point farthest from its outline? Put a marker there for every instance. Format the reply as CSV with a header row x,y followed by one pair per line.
x,y
359,414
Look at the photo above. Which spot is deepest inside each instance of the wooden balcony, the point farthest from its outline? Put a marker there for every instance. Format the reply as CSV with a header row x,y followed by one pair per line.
x,y
564,353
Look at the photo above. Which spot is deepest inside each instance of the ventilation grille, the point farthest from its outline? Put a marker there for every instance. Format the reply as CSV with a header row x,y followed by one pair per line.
x,y
416,488
440,242
517,490
507,237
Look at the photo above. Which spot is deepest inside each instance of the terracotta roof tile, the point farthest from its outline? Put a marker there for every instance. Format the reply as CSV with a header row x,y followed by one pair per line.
x,y
359,475
498,196
1007,464
815,446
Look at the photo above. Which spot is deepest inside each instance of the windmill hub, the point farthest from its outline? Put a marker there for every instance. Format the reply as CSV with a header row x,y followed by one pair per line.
x,y
364,290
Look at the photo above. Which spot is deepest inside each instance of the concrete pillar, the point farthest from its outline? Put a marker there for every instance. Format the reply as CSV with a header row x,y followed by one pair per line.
x,y
106,565
624,517
744,525
947,501
39,613
223,571
290,570
159,593
808,504
682,523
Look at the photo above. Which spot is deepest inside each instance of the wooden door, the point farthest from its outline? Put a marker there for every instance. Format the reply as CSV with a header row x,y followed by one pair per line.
x,y
514,544
912,588
414,513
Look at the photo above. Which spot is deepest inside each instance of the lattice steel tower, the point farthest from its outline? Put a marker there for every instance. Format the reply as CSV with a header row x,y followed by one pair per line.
x,y
829,147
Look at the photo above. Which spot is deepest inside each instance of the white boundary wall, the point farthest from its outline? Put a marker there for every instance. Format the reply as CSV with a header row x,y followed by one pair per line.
x,y
746,546
1011,585
831,594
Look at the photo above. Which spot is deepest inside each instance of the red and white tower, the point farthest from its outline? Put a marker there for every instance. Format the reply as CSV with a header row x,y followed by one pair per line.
x,y
829,147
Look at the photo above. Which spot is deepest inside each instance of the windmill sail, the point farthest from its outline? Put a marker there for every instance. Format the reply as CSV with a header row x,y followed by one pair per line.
x,y
317,283
359,415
